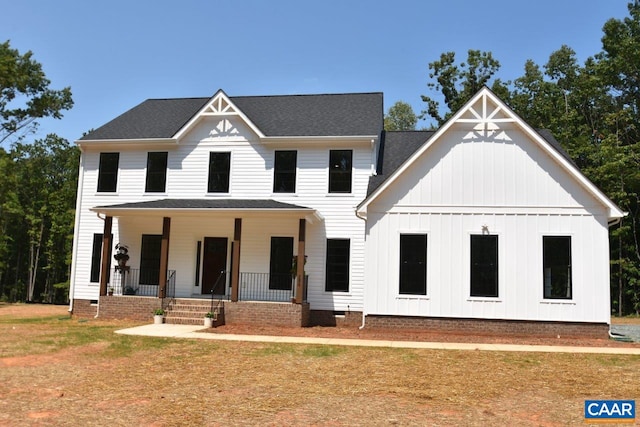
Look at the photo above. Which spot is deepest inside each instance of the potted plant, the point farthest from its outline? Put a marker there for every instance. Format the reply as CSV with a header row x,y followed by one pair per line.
x,y
209,318
158,316
110,292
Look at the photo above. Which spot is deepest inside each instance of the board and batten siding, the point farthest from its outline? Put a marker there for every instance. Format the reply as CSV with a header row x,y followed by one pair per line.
x,y
509,188
251,177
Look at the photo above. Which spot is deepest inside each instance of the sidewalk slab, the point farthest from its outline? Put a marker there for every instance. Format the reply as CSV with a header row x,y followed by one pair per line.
x,y
190,331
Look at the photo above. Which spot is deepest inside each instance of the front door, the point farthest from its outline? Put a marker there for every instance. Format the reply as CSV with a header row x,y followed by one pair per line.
x,y
213,263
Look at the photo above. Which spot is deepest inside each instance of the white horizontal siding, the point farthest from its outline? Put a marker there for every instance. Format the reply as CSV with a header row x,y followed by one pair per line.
x,y
251,178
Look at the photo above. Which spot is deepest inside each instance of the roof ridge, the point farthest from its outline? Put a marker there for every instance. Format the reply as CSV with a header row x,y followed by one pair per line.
x,y
307,94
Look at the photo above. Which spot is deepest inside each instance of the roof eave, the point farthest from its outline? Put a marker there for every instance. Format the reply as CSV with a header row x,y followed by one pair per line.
x,y
89,142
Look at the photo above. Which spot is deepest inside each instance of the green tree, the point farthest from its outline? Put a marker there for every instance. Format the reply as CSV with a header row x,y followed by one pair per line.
x,y
459,82
39,218
25,95
400,117
618,65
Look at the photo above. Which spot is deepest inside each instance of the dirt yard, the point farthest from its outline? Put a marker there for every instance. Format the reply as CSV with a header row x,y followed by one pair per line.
x,y
67,372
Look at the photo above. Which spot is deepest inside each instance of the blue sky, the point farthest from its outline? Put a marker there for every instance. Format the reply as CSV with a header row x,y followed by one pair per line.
x,y
115,54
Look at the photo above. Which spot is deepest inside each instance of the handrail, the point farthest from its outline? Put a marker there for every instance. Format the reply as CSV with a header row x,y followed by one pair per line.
x,y
215,285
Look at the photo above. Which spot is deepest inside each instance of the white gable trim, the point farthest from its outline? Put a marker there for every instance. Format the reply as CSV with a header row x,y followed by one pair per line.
x,y
219,105
484,120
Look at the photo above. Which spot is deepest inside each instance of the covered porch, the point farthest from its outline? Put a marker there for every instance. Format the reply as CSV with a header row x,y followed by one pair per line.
x,y
227,249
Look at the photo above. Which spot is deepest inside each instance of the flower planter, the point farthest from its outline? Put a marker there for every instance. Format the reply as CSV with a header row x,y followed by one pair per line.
x,y
158,319
208,322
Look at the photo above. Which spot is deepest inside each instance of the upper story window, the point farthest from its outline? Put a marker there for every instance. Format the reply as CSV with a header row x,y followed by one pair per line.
x,y
284,175
484,265
556,254
413,264
219,167
156,172
340,164
108,172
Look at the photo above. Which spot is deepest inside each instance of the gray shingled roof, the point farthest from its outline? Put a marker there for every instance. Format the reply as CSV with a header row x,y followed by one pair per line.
x,y
397,146
286,115
154,118
257,204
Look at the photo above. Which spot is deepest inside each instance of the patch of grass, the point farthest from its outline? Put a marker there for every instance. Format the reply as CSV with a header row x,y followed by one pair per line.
x,y
32,320
91,376
322,351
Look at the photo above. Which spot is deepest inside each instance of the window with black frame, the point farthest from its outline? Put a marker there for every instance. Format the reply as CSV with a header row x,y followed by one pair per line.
x,y
413,264
219,168
280,263
150,259
340,171
556,254
337,265
484,265
284,175
108,172
156,172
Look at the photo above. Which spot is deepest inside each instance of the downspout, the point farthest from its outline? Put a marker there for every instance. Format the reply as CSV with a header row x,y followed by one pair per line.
x,y
76,227
364,314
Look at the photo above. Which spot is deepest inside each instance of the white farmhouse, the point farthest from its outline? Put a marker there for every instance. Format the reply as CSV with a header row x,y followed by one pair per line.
x,y
301,210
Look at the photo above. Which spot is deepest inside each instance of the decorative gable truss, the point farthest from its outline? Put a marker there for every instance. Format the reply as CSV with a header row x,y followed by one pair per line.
x,y
486,117
222,108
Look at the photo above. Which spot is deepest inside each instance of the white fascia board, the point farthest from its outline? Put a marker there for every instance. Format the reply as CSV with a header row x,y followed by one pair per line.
x,y
90,142
203,113
119,212
614,211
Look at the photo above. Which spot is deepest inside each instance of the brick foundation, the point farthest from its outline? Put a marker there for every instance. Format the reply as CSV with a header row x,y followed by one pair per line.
x,y
333,318
119,307
83,308
488,326
270,313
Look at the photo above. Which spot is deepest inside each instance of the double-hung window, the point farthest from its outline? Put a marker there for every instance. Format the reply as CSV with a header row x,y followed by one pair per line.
x,y
340,171
150,259
337,265
556,254
108,172
156,172
484,265
413,264
280,263
284,175
219,168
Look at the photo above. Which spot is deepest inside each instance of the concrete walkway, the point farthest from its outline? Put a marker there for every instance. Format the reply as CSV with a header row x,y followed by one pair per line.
x,y
190,331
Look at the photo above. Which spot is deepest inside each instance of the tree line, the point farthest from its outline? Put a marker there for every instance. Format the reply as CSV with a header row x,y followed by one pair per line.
x,y
592,108
38,181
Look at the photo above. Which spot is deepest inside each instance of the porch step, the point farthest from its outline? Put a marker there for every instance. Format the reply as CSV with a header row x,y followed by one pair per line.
x,y
188,311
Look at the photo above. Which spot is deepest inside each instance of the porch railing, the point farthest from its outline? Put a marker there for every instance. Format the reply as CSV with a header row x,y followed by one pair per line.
x,y
133,281
268,287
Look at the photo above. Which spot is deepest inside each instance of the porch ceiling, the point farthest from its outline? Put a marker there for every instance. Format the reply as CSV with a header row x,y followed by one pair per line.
x,y
187,207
